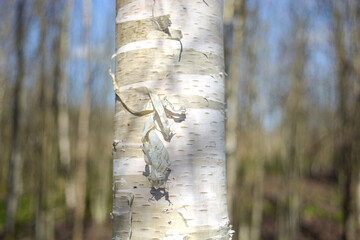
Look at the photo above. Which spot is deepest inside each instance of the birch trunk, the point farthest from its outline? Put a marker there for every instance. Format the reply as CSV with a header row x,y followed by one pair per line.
x,y
191,201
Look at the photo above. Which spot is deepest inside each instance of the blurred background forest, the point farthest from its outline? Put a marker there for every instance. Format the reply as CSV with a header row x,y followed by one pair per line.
x,y
293,118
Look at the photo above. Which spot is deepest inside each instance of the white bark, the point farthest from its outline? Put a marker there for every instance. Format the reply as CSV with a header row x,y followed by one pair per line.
x,y
194,202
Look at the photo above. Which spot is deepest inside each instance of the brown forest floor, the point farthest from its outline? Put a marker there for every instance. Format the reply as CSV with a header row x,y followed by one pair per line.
x,y
321,213
320,220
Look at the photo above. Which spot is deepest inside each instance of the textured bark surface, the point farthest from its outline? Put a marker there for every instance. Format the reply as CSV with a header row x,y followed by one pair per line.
x,y
148,47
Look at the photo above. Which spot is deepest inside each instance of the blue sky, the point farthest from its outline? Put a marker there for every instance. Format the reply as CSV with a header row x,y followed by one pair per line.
x,y
274,28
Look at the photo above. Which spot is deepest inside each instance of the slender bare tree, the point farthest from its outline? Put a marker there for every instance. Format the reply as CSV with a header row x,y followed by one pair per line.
x,y
63,118
294,129
346,16
15,166
83,128
355,6
344,116
238,21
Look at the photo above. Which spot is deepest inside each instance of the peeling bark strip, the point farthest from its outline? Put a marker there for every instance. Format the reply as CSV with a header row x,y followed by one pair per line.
x,y
156,154
164,62
192,204
188,101
150,28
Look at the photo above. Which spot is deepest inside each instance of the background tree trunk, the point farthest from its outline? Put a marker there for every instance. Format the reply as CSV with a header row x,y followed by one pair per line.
x,y
295,131
15,166
344,137
83,128
232,86
63,114
46,126
355,6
